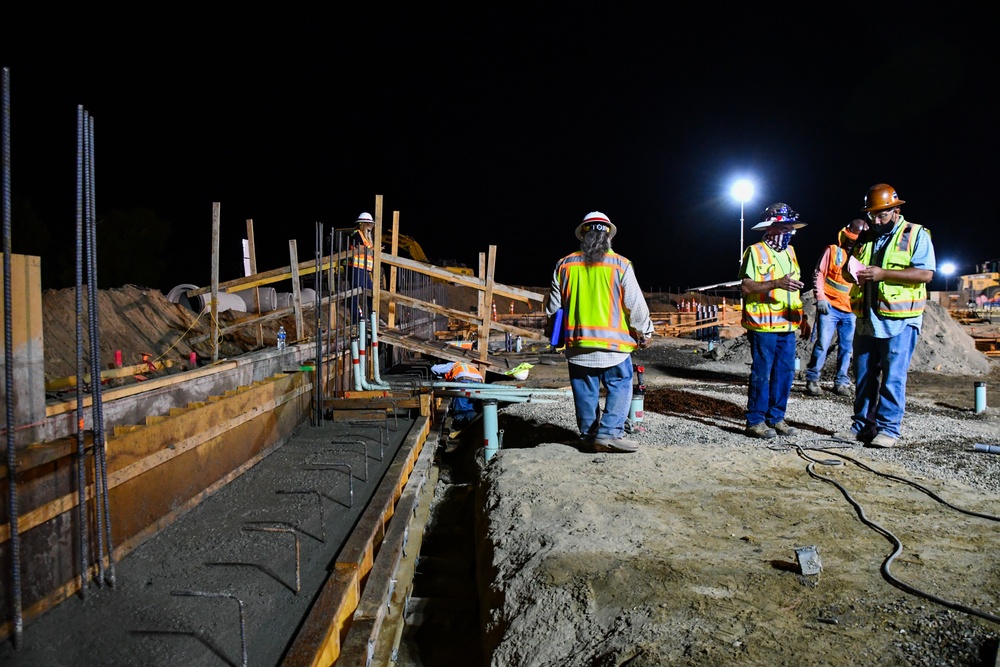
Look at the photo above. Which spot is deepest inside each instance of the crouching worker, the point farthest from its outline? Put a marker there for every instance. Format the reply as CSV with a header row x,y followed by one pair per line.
x,y
463,410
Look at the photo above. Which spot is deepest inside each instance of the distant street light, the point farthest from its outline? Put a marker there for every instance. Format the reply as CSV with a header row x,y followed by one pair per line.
x,y
743,191
948,269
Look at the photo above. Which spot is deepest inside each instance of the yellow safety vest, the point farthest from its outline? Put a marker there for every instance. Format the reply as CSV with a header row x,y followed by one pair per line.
x,y
895,300
778,310
835,287
461,371
593,300
361,256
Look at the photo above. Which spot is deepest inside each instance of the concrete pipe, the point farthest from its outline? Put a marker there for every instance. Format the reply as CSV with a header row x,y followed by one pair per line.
x,y
179,295
226,302
268,299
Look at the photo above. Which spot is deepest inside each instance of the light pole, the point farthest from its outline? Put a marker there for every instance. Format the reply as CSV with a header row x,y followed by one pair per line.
x,y
743,191
948,269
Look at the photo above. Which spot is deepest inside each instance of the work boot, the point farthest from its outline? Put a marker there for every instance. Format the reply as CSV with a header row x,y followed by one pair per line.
x,y
812,388
782,428
846,436
615,445
883,441
842,390
760,430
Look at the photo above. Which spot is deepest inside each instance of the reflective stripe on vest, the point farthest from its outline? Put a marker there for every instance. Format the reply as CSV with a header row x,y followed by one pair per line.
x,y
462,371
836,289
361,256
895,300
778,310
592,297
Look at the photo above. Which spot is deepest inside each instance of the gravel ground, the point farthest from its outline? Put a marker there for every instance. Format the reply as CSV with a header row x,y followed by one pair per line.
x,y
692,430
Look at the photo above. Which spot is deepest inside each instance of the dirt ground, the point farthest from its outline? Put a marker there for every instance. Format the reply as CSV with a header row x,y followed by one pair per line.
x,y
685,552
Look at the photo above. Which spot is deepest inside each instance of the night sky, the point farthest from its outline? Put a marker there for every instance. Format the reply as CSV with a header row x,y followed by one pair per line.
x,y
486,126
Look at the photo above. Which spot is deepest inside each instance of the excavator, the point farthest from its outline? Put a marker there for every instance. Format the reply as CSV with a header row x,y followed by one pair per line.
x,y
413,249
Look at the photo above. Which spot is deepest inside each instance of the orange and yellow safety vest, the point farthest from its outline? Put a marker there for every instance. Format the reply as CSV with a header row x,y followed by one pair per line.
x,y
593,302
778,310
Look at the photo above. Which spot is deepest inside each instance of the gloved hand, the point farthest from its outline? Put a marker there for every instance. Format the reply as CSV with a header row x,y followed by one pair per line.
x,y
823,307
645,342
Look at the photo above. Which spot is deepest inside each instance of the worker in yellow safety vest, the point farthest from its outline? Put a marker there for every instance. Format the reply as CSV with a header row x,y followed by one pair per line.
x,y
772,313
833,311
605,317
891,265
360,264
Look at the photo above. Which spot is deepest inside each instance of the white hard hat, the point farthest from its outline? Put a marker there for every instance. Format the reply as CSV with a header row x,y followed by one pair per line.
x,y
365,217
595,220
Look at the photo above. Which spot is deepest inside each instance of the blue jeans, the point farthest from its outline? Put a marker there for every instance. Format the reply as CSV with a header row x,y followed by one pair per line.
x,y
841,323
586,383
771,375
880,366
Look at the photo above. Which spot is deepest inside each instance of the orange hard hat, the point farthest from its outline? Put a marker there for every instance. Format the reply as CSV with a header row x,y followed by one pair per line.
x,y
880,197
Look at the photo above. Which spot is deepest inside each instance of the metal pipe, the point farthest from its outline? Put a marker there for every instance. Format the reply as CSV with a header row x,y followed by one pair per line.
x,y
490,435
8,339
375,360
362,353
80,371
357,368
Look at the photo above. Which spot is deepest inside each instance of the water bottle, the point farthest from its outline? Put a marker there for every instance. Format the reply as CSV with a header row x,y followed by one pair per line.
x,y
281,338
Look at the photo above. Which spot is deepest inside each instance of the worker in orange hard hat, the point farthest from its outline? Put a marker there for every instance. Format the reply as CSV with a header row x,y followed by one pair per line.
x,y
833,311
892,264
772,314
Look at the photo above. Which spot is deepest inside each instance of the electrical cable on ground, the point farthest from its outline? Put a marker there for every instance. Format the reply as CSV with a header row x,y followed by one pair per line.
x,y
895,541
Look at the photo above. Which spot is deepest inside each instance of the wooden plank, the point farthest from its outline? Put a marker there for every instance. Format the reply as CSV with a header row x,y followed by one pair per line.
x,y
377,266
60,384
252,258
293,255
391,317
215,281
516,293
272,276
318,642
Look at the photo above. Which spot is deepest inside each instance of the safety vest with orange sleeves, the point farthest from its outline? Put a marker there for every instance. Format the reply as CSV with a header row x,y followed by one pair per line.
x,y
463,372
361,255
778,310
895,300
592,299
835,288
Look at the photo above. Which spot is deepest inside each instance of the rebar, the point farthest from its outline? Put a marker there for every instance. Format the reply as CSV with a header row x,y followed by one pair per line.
x,y
206,594
318,372
350,478
80,441
319,498
8,350
298,548
381,448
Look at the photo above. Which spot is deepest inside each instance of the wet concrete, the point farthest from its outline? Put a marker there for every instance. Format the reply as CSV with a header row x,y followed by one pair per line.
x,y
178,598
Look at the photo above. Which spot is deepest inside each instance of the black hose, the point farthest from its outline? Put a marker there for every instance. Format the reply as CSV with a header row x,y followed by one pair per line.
x,y
895,541
8,349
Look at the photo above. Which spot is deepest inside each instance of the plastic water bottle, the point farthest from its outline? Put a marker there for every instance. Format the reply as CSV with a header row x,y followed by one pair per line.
x,y
281,338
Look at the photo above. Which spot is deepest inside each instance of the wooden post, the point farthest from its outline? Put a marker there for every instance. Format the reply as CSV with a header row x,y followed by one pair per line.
x,y
391,317
216,206
484,328
377,268
252,252
293,259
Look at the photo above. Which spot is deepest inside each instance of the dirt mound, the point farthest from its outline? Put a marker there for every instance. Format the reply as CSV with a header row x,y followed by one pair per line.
x,y
136,321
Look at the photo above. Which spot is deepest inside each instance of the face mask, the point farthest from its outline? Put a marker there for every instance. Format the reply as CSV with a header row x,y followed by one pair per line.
x,y
779,243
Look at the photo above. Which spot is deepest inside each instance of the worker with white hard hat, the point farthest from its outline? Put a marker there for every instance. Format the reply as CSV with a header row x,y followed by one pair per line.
x,y
360,264
605,317
772,314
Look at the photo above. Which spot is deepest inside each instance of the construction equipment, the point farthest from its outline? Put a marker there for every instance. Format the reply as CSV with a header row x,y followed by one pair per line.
x,y
417,253
985,282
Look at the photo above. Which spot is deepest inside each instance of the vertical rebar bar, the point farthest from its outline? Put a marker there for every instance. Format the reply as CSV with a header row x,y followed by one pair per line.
x,y
318,314
8,351
97,390
80,443
95,368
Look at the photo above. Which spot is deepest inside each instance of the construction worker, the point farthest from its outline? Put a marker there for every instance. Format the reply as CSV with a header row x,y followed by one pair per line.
x,y
894,262
360,264
772,312
605,317
833,311
463,410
